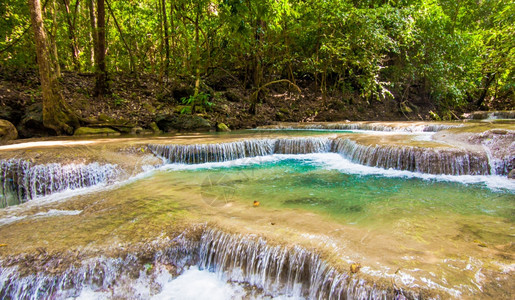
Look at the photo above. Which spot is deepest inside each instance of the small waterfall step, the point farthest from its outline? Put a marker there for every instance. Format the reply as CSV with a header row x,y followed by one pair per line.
x,y
22,180
490,115
203,153
370,126
274,270
431,160
449,161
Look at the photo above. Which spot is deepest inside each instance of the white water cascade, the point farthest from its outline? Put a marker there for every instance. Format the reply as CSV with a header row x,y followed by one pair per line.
x,y
365,126
23,180
202,153
249,260
424,160
431,161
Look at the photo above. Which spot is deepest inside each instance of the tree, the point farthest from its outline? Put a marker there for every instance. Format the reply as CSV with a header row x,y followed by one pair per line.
x,y
101,86
56,113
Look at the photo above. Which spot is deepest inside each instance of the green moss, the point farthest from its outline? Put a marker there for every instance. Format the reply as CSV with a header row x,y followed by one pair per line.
x,y
81,131
222,127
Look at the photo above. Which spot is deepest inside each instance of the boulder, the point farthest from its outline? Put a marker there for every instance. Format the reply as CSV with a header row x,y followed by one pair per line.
x,y
89,131
511,175
7,131
31,124
222,127
171,123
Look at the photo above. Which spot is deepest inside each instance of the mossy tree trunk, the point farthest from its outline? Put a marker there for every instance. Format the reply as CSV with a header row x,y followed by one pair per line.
x,y
56,113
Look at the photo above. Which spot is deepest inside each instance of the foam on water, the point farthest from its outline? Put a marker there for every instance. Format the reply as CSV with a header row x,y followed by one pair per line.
x,y
334,161
196,284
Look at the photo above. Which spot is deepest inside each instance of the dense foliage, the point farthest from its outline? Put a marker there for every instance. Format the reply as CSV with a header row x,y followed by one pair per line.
x,y
456,52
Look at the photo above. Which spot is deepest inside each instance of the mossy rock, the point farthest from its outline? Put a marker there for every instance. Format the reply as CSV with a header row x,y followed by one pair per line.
x,y
222,127
172,123
105,118
7,131
405,108
154,128
84,131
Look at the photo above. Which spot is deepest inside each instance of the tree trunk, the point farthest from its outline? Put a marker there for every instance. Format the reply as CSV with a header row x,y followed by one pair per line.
x,y
100,52
53,41
197,55
74,48
56,114
93,32
166,37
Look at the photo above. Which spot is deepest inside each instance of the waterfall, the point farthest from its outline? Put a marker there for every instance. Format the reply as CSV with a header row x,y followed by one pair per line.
x,y
279,270
67,274
367,126
500,151
275,270
489,115
23,180
202,153
432,161
302,145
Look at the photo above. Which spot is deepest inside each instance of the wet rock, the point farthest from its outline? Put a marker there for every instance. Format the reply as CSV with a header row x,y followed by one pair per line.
x,y
511,175
171,123
354,268
7,131
87,131
222,127
31,124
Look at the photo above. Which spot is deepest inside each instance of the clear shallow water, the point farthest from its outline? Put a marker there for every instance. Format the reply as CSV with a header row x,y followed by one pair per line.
x,y
354,194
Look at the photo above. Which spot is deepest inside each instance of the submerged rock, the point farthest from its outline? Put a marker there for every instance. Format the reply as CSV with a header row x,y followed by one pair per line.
x,y
7,131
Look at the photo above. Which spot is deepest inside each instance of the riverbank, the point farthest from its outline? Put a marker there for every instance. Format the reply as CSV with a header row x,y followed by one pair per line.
x,y
149,103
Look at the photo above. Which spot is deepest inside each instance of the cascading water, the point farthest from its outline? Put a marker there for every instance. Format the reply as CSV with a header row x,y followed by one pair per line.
x,y
500,150
67,275
294,272
453,162
302,145
23,181
274,270
202,153
433,161
368,126
490,115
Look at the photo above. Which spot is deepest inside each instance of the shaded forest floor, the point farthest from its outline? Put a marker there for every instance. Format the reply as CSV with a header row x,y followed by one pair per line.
x,y
140,101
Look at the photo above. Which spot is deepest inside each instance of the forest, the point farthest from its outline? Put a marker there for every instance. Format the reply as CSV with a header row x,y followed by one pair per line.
x,y
172,65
